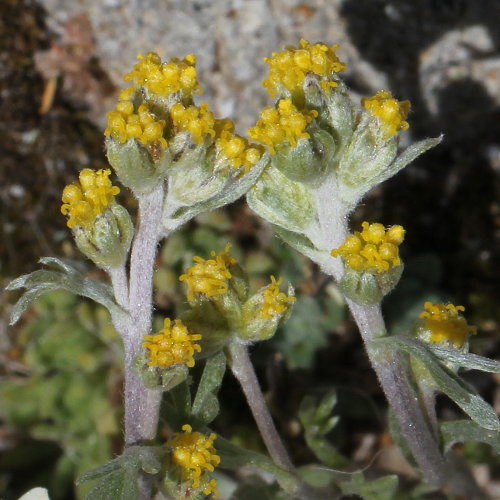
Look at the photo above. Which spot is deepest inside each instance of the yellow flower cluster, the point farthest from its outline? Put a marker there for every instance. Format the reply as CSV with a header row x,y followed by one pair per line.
x,y
237,150
198,121
275,302
209,277
124,124
172,345
390,112
165,78
195,454
289,67
445,323
83,201
282,124
373,249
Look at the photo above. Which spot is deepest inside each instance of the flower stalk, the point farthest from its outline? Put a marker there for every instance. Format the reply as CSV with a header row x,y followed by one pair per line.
x,y
243,370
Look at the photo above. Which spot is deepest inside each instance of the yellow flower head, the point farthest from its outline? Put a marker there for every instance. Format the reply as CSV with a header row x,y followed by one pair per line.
x,y
373,249
195,455
237,150
445,323
165,78
390,112
125,124
289,67
284,124
275,302
209,277
172,345
83,201
198,121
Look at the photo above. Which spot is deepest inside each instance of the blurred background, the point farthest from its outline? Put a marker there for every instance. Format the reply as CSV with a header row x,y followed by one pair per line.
x,y
61,64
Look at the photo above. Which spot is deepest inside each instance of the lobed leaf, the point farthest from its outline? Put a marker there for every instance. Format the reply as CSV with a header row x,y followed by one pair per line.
x,y
462,431
448,382
65,277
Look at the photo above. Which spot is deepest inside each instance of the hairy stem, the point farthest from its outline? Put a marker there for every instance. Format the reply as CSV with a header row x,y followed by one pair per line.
x,y
243,370
391,372
119,280
142,405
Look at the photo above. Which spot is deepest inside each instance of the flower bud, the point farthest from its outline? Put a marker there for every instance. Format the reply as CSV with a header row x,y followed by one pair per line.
x,y
137,167
444,324
167,355
102,229
373,265
219,280
193,458
264,312
309,160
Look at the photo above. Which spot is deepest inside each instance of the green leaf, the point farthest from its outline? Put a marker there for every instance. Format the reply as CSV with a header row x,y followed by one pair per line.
x,y
206,405
383,488
302,334
299,242
318,422
176,406
64,277
447,381
466,360
406,157
233,456
462,431
118,479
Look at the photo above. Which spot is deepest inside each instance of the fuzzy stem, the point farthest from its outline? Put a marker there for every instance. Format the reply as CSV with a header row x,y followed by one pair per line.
x,y
331,233
243,370
119,280
142,405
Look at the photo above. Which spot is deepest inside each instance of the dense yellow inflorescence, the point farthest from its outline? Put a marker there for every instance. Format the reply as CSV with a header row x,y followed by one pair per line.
x,y
390,112
125,124
275,302
209,277
198,121
83,201
289,67
237,150
373,249
195,455
445,323
172,345
165,78
284,124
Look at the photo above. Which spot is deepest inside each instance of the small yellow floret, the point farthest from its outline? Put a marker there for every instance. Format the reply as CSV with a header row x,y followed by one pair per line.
x,y
209,277
83,201
165,78
289,67
172,345
445,323
285,123
237,150
198,121
373,249
195,455
275,302
390,112
124,124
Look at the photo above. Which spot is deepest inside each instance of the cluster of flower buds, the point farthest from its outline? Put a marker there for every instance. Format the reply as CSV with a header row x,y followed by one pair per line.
x,y
157,131
325,149
222,306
